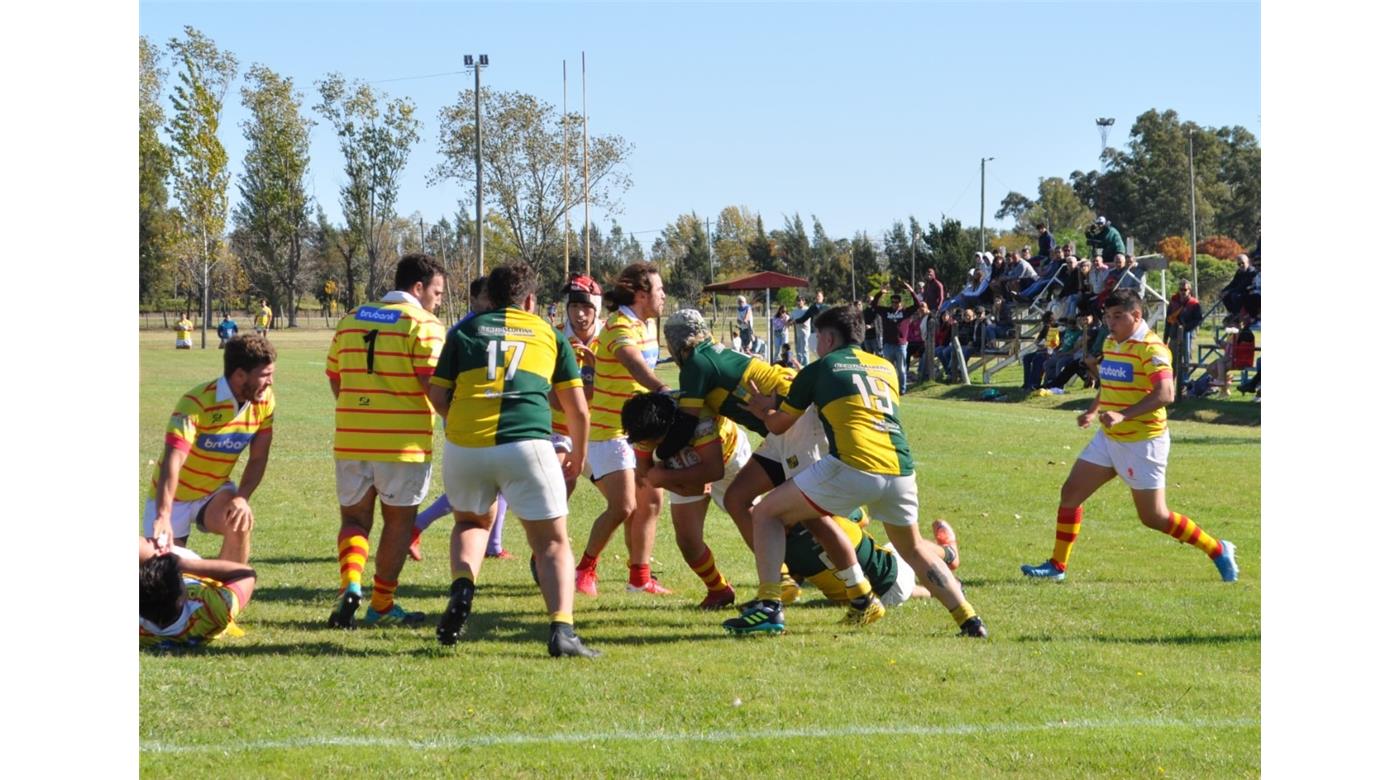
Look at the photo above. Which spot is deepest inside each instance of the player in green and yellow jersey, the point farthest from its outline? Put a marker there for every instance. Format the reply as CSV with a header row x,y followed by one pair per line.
x,y
186,600
492,384
857,396
211,426
703,469
1135,387
891,578
378,365
625,364
716,381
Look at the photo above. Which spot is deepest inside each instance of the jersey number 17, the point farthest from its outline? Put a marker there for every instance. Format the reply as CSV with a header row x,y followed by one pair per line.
x,y
515,350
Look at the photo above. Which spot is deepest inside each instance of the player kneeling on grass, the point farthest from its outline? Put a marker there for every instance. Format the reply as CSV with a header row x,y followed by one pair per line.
x,y
701,470
1135,386
186,600
498,369
857,396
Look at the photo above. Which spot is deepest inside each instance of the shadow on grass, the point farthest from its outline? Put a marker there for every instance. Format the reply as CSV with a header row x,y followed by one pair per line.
x,y
1180,639
290,648
290,559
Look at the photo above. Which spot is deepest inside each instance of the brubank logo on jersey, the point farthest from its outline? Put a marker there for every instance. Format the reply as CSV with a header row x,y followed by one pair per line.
x,y
382,316
224,442
1116,370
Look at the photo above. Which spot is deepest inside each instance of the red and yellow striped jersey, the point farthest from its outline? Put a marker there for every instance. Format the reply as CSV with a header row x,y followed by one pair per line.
x,y
212,432
210,607
1126,373
378,353
612,384
584,352
709,430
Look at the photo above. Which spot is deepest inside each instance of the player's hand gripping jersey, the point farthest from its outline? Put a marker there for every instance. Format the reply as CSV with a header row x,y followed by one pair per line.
x,y
500,367
717,379
584,353
857,396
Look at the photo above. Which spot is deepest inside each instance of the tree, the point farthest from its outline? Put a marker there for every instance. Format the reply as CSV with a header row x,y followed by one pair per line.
x,y
376,134
157,223
200,169
735,230
275,210
793,248
1222,247
1176,249
522,160
762,248
1013,205
951,247
866,258
682,257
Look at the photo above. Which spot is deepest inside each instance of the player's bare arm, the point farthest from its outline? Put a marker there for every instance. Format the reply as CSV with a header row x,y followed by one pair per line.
x,y
1163,393
440,398
692,480
161,530
238,514
631,359
576,418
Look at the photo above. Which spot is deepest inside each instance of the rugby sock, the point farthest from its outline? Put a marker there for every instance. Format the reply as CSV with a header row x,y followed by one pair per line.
x,y
857,586
493,542
638,574
382,599
567,618
1067,522
708,572
587,563
353,548
770,591
1187,532
962,613
435,511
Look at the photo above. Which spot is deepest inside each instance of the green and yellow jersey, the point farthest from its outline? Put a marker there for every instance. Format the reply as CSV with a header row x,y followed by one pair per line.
x,y
806,559
1126,374
378,352
210,607
212,430
857,396
500,367
717,379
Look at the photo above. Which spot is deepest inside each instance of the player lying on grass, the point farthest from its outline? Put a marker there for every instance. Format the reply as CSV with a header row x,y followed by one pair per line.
x,y
892,579
701,470
186,600
856,395
715,381
1135,387
492,385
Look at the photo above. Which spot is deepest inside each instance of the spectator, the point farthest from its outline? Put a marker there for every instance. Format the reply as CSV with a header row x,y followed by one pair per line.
x,y
745,322
1002,322
1237,291
1019,275
977,284
1069,350
1183,317
1050,275
1105,238
1078,358
1067,298
940,327
1045,342
966,335
1047,243
735,342
801,329
873,341
1118,276
1237,352
227,330
914,327
1098,275
933,290
895,331
785,358
778,324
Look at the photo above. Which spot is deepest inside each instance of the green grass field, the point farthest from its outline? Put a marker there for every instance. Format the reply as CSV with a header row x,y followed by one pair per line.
x,y
1141,664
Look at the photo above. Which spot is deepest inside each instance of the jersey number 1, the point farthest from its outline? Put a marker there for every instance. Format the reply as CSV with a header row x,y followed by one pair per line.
x,y
517,351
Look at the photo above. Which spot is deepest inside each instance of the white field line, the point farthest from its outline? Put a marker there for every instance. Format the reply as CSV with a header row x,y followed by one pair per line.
x,y
458,743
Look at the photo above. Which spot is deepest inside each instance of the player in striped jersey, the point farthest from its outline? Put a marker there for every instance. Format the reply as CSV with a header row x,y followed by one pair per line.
x,y
705,467
857,396
583,299
378,365
186,600
499,369
211,426
1135,387
625,365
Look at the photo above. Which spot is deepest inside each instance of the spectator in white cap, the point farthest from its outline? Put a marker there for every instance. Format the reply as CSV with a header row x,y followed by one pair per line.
x,y
1104,237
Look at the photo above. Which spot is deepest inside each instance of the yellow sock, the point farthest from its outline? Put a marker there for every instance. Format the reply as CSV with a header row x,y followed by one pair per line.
x,y
382,599
1187,532
770,591
962,613
1066,531
352,549
561,617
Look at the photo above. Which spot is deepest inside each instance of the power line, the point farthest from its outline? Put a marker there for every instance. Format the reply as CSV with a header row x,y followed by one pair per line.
x,y
425,76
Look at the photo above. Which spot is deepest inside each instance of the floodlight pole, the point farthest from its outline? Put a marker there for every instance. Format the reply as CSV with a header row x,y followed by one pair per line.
x,y
566,171
480,62
982,221
1191,158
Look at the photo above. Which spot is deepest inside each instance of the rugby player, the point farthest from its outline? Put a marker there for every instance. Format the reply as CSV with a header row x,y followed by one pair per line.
x,y
378,366
1135,388
702,470
716,381
856,394
492,385
625,364
186,600
213,423
583,299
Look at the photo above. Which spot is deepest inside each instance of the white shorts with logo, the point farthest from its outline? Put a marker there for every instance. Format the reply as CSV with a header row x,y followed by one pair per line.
x,y
742,452
398,484
526,473
799,446
1141,464
904,581
609,455
182,514
837,489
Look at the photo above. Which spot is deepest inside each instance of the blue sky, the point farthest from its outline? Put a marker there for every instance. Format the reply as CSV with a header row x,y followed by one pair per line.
x,y
858,113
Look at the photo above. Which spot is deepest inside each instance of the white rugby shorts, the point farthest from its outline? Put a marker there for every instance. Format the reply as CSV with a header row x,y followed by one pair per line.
x,y
834,488
1141,464
182,513
526,473
398,484
799,446
609,455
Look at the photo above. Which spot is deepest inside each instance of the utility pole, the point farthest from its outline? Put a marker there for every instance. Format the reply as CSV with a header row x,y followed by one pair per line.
x,y
587,239
982,220
481,62
1191,158
566,171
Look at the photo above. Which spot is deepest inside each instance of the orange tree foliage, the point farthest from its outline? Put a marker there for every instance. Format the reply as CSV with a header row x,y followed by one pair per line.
x,y
1220,246
1177,249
